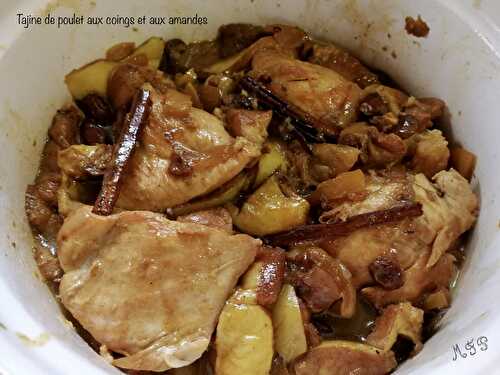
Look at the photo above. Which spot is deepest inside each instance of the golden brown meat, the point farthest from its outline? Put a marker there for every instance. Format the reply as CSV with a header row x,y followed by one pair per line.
x,y
136,281
216,217
320,92
345,358
183,152
360,249
383,191
81,161
249,124
377,149
340,61
449,209
126,79
397,320
419,279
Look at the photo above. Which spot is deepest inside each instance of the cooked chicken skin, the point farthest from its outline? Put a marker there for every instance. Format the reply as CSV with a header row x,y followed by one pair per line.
x,y
419,279
318,91
397,241
397,320
450,209
183,152
445,218
147,287
216,217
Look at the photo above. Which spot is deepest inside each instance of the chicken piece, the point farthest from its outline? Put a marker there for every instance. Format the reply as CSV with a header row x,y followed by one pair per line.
x,y
380,100
283,38
340,61
444,219
317,288
431,153
450,208
249,124
80,161
392,111
289,38
397,320
48,162
320,92
383,191
339,357
216,217
360,249
182,153
123,274
126,79
399,241
419,279
377,149
417,115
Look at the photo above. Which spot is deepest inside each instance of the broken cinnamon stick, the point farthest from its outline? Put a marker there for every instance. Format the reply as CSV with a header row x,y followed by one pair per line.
x,y
122,152
320,232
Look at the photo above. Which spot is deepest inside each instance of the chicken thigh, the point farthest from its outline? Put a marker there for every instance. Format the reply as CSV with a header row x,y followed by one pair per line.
x,y
183,152
147,287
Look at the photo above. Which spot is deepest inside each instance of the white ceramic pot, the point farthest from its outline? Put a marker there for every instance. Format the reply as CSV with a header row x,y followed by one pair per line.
x,y
459,62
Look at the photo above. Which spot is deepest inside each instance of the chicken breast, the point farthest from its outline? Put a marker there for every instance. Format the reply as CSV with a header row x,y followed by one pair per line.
x,y
418,280
147,287
449,209
215,217
183,152
318,91
399,241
